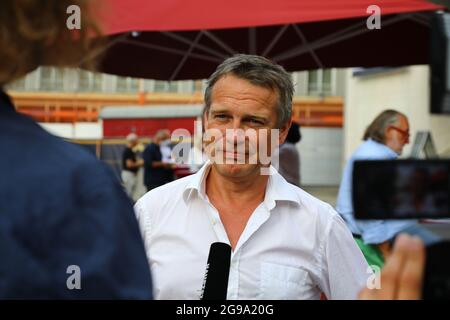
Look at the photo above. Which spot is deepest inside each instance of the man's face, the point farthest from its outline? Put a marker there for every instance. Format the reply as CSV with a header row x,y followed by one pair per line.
x,y
397,135
133,143
241,113
161,136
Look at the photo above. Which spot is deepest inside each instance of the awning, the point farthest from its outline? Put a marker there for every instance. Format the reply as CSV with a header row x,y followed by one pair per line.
x,y
179,39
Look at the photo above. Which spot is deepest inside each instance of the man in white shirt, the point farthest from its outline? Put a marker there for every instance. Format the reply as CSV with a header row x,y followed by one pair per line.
x,y
286,243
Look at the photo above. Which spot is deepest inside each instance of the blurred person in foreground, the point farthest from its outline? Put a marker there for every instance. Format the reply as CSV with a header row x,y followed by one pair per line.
x,y
384,138
157,168
130,165
403,273
62,212
289,161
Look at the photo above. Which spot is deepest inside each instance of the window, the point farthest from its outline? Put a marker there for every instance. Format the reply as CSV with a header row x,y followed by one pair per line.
x,y
97,81
173,86
198,85
326,81
160,86
79,80
84,81
46,79
320,82
313,82
166,86
127,85
52,79
18,85
57,80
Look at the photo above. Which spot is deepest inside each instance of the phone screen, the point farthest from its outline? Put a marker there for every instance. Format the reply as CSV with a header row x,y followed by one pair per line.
x,y
401,189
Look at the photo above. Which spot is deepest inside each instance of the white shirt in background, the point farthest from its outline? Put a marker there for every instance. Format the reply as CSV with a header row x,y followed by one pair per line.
x,y
166,151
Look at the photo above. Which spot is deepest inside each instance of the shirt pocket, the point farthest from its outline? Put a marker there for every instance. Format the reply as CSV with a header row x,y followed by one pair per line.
x,y
281,282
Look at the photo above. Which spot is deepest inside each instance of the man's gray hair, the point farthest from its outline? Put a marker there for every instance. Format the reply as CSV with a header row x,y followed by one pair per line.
x,y
132,137
162,134
258,71
377,129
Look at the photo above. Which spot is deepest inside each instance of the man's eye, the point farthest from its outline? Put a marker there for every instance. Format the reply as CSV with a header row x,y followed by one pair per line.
x,y
255,121
220,116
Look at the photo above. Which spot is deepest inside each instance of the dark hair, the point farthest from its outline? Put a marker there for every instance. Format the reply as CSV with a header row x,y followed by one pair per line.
x,y
260,72
377,129
294,135
34,33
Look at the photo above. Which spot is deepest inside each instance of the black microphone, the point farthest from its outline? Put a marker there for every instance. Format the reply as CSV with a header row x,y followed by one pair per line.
x,y
215,283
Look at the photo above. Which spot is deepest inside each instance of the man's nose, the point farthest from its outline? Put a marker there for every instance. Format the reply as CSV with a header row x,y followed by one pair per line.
x,y
236,135
236,132
235,124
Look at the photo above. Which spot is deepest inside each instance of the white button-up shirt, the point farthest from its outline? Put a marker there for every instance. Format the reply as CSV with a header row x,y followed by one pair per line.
x,y
294,246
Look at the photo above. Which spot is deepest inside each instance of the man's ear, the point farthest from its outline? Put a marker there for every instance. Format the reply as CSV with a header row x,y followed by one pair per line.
x,y
205,118
284,132
387,134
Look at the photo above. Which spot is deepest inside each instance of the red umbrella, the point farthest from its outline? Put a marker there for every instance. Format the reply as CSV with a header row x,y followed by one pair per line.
x,y
179,39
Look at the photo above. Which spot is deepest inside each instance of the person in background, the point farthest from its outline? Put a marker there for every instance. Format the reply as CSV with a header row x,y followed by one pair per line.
x,y
157,171
197,157
384,138
165,147
289,157
130,165
67,228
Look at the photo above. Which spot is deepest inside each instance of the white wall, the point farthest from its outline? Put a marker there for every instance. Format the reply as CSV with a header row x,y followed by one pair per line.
x,y
88,130
404,89
320,156
64,130
440,125
79,130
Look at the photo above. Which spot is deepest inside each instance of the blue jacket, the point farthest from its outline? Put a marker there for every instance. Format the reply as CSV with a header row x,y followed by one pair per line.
x,y
155,177
61,207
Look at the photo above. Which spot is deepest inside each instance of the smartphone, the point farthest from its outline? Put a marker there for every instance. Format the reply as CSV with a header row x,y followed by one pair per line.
x,y
401,189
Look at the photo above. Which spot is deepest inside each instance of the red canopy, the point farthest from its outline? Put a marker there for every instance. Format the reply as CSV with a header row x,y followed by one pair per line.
x,y
181,39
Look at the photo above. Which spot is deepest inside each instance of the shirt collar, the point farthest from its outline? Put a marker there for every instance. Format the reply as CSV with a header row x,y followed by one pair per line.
x,y
384,148
277,189
197,183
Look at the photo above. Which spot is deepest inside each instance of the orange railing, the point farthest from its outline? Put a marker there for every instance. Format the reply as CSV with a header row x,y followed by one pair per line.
x,y
317,112
69,107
